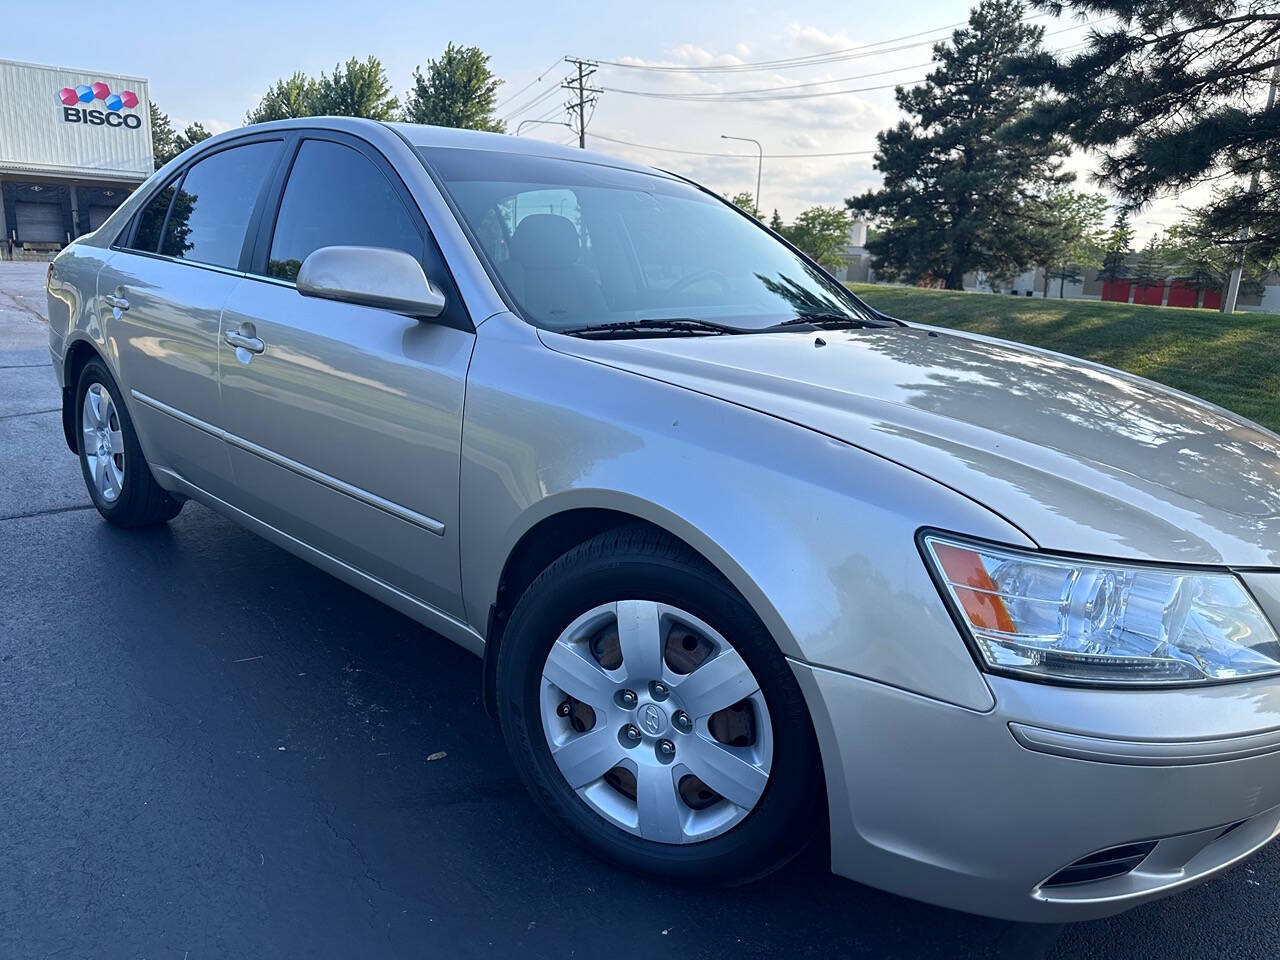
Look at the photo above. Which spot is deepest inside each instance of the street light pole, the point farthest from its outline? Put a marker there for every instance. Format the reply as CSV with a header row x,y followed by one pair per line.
x,y
553,123
759,164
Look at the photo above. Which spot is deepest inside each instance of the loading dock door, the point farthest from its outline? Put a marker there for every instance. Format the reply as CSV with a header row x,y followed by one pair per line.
x,y
39,222
98,215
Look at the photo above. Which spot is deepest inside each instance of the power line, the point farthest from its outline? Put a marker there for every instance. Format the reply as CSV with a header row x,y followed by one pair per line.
x,y
536,79
761,94
786,62
877,49
759,98
721,94
530,104
740,156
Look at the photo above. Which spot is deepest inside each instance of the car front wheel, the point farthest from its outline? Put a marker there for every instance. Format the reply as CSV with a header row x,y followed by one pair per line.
x,y
651,714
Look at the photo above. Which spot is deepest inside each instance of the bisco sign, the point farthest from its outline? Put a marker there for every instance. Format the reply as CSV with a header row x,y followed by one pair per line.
x,y
115,103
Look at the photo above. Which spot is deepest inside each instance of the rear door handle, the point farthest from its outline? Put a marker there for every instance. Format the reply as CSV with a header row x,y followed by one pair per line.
x,y
244,342
119,303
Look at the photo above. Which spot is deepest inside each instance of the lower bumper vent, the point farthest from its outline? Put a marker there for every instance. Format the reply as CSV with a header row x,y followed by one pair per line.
x,y
1103,865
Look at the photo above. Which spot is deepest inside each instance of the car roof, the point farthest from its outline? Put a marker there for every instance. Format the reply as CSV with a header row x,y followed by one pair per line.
x,y
429,137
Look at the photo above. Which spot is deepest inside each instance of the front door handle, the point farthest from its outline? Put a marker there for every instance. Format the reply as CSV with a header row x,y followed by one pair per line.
x,y
244,342
118,303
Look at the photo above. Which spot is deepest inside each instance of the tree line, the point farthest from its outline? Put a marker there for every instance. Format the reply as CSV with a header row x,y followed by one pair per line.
x,y
457,89
1169,95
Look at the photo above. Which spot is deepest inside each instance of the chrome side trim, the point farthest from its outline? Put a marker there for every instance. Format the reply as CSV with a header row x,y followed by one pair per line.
x,y
430,524
459,631
1145,753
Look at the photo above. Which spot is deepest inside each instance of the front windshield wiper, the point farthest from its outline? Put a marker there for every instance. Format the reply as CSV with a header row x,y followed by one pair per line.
x,y
675,326
823,320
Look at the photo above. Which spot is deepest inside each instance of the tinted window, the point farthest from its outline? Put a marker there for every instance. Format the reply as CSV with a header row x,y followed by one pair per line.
x,y
151,221
210,215
336,196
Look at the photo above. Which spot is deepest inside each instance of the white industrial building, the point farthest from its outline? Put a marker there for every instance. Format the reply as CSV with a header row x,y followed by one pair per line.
x,y
73,145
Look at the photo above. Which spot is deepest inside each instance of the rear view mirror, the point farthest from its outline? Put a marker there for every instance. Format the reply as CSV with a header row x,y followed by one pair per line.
x,y
371,277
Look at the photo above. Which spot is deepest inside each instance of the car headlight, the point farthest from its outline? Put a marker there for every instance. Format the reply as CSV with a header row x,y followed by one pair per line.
x,y
1061,618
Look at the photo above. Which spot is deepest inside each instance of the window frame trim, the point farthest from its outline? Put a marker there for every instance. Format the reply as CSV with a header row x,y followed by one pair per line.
x,y
255,267
124,240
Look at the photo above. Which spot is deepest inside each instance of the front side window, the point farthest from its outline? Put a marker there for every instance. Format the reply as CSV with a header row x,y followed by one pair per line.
x,y
582,245
337,197
211,213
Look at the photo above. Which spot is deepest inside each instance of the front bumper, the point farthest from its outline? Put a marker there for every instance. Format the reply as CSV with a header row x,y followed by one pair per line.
x,y
976,810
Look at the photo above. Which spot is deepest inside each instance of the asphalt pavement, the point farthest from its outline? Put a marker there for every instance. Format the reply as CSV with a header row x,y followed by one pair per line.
x,y
209,748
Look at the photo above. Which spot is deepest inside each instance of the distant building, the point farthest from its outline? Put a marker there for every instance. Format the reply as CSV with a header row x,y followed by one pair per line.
x,y
73,145
857,259
1169,292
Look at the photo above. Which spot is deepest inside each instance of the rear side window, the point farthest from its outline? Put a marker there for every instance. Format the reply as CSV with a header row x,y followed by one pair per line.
x,y
151,221
211,213
336,196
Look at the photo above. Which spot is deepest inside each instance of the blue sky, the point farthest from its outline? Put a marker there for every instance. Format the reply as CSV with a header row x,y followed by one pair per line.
x,y
212,62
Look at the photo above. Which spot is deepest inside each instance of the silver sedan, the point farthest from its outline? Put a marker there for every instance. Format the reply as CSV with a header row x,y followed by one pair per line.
x,y
749,564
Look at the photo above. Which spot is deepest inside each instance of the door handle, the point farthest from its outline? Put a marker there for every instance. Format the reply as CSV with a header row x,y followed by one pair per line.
x,y
118,303
244,342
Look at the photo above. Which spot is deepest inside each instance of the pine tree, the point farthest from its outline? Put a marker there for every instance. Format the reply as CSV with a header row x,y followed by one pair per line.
x,y
775,222
1119,244
458,90
961,192
1174,94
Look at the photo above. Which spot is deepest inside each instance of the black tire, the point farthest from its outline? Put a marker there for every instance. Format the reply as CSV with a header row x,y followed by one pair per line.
x,y
639,562
141,501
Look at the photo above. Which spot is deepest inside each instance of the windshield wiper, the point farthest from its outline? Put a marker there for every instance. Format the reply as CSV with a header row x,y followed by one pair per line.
x,y
677,326
823,320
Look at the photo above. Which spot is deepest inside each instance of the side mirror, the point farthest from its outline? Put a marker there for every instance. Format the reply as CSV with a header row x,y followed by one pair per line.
x,y
371,277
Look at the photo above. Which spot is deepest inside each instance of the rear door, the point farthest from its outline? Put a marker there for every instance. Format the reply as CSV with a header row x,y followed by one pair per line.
x,y
161,296
344,422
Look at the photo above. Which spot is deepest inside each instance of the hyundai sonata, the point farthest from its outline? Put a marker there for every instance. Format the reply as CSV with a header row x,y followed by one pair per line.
x,y
748,563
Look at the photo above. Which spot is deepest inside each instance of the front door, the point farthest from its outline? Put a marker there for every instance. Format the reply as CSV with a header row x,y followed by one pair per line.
x,y
344,423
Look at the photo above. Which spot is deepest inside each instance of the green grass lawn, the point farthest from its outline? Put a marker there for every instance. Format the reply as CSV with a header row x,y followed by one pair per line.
x,y
1233,360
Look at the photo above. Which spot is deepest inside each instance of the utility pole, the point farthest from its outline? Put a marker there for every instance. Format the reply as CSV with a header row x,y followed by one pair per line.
x,y
1233,285
577,86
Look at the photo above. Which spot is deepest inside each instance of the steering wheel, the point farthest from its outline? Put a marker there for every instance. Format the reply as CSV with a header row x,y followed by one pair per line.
x,y
697,277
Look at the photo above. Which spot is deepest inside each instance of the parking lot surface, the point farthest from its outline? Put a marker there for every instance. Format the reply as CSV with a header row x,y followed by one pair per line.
x,y
208,748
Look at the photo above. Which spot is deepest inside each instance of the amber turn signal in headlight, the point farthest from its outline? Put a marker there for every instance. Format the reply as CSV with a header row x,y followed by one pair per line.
x,y
1093,621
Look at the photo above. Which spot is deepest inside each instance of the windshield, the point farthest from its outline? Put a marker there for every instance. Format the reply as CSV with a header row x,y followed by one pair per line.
x,y
580,245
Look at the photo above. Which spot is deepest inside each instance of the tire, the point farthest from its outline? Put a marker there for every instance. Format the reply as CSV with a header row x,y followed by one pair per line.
x,y
115,472
639,564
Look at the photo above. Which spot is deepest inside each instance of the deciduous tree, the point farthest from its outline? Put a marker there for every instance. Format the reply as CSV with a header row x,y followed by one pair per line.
x,y
294,96
457,90
822,233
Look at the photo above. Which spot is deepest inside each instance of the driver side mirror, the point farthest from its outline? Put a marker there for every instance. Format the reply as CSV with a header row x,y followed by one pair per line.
x,y
370,277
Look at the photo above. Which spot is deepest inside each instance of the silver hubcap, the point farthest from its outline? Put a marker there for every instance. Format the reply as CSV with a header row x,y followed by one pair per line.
x,y
656,721
103,442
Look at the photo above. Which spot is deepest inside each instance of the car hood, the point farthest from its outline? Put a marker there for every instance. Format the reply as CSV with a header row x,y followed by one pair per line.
x,y
1081,457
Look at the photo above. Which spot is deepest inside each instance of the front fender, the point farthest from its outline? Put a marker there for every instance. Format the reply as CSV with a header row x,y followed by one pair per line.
x,y
818,536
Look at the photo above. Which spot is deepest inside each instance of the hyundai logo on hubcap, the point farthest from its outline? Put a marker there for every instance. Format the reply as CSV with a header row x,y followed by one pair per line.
x,y
651,719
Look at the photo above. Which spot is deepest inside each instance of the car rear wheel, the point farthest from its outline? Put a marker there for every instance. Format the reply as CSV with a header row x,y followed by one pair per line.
x,y
116,473
651,714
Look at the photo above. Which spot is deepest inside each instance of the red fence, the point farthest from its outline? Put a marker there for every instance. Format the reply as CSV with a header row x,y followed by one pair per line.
x,y
1180,294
